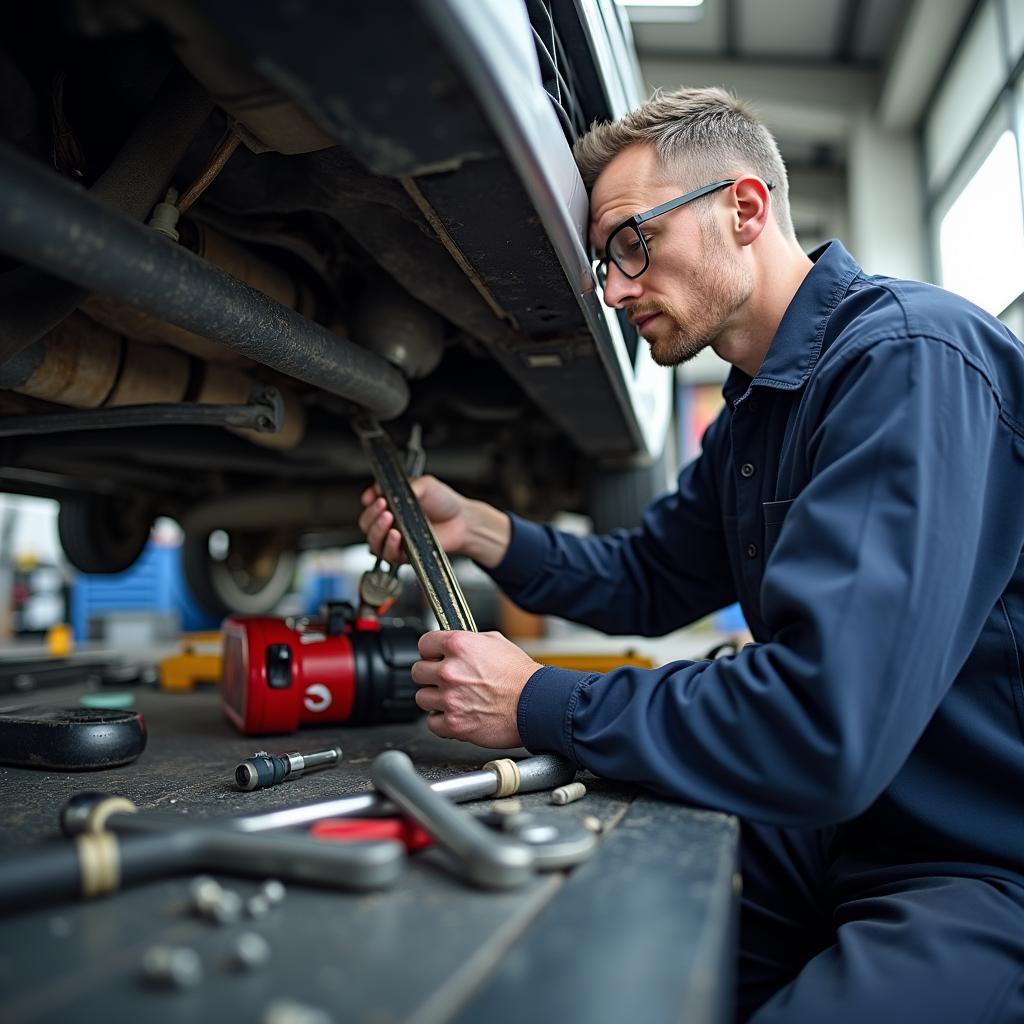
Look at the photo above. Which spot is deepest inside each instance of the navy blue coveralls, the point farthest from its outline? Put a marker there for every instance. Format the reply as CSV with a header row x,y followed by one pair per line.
x,y
862,497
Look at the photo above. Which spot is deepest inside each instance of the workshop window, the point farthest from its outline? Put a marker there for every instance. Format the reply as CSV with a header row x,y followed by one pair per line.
x,y
981,236
975,76
1015,29
972,140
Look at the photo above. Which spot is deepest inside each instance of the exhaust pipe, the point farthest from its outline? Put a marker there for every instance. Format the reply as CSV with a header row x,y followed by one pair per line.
x,y
53,225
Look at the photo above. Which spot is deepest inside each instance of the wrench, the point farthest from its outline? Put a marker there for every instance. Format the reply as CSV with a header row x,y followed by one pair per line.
x,y
542,771
489,860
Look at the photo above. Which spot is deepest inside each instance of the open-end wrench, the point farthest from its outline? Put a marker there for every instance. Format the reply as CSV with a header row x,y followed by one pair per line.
x,y
530,775
427,557
486,858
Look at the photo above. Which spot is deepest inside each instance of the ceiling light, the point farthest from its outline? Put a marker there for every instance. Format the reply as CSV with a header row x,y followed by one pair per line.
x,y
663,10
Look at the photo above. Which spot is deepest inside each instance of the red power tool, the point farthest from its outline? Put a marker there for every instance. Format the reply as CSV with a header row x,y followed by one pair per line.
x,y
279,674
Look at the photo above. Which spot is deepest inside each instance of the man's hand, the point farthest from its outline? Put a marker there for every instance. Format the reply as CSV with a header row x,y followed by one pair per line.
x,y
471,682
462,526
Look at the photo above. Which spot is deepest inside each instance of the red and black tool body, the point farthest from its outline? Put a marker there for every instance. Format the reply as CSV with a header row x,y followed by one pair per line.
x,y
282,673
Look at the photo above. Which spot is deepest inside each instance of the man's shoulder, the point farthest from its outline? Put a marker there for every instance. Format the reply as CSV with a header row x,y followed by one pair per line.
x,y
880,310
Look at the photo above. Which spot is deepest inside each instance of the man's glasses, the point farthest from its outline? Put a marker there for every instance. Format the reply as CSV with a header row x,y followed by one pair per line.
x,y
626,246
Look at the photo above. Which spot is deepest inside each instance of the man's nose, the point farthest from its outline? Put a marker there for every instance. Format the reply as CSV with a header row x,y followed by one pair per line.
x,y
619,290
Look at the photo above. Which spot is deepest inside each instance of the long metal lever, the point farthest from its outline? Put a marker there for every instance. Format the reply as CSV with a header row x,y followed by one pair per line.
x,y
429,561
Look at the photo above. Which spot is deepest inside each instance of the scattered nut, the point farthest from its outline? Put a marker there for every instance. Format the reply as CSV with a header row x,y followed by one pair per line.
x,y
251,952
257,906
227,909
273,891
172,967
568,794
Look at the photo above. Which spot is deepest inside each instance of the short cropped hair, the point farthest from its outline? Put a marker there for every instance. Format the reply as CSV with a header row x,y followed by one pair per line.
x,y
705,134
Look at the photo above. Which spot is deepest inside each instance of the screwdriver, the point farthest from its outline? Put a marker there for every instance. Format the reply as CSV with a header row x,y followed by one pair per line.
x,y
263,769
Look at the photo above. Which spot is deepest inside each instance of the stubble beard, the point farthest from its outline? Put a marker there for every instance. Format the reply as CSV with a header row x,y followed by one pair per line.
x,y
719,286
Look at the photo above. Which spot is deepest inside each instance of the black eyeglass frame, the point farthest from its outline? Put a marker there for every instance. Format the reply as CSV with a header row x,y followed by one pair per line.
x,y
637,219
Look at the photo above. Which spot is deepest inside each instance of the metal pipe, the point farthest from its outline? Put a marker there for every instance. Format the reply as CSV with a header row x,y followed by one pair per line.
x,y
263,412
49,223
34,302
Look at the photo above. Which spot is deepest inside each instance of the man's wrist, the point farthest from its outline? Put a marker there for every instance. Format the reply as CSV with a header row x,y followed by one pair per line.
x,y
488,535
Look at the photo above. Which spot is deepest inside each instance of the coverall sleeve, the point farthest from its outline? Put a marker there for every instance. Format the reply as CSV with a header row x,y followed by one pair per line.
x,y
886,566
667,573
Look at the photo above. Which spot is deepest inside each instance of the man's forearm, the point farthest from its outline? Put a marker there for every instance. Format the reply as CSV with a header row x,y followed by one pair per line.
x,y
489,532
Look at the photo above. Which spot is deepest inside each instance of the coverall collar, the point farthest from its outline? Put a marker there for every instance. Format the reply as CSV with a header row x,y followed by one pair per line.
x,y
797,343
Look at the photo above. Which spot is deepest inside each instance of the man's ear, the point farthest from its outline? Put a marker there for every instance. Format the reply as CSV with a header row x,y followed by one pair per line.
x,y
752,208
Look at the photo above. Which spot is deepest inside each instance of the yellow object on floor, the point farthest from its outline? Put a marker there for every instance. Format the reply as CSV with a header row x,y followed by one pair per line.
x,y
60,640
199,661
594,662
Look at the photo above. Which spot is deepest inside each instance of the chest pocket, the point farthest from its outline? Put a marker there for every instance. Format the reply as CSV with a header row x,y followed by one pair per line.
x,y
774,513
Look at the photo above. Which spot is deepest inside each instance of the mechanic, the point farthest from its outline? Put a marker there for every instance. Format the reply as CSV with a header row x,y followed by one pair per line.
x,y
860,494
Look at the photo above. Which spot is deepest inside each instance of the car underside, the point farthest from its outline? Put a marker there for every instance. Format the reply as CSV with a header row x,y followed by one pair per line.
x,y
229,227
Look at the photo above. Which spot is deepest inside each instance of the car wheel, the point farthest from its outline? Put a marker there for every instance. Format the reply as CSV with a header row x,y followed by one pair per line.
x,y
103,533
243,572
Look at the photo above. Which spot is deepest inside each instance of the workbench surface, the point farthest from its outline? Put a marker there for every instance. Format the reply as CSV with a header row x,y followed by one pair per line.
x,y
644,931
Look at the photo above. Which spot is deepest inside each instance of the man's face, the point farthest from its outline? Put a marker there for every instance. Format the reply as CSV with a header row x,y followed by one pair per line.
x,y
695,283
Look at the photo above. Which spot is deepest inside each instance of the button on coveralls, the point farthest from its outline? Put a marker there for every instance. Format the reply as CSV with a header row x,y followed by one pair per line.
x,y
862,498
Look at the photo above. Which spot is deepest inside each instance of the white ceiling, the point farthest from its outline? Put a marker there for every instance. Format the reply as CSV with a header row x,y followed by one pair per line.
x,y
851,32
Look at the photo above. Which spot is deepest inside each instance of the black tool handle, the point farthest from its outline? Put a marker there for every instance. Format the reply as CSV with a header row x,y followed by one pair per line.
x,y
56,873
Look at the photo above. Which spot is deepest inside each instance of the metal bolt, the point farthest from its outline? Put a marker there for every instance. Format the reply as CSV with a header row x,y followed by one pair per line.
x,y
273,891
568,794
227,909
206,894
257,906
251,951
172,966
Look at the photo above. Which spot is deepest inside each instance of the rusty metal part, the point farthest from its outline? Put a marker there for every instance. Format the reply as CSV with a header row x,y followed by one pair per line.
x,y
84,365
242,263
239,262
50,223
143,326
417,196
227,145
150,373
76,364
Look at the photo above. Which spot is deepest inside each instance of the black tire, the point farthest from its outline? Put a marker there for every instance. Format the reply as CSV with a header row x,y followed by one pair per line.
x,y
103,533
249,578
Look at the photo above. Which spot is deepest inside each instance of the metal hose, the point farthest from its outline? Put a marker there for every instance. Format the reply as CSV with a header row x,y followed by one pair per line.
x,y
51,224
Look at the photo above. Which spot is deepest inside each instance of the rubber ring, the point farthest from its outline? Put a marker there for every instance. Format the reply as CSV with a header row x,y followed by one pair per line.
x,y
96,822
508,776
99,863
